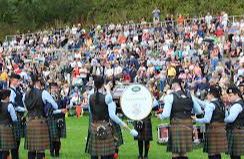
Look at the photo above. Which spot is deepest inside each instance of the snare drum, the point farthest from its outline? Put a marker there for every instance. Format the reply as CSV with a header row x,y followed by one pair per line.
x,y
163,133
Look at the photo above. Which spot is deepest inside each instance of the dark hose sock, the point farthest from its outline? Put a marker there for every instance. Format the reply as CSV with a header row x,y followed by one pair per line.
x,y
140,146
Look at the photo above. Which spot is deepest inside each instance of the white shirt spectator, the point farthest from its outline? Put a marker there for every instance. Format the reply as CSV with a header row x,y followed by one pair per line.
x,y
208,19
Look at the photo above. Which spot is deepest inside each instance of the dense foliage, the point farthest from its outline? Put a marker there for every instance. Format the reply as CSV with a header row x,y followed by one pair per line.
x,y
23,15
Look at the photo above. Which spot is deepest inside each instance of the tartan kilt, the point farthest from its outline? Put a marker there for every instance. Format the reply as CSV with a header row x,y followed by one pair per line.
x,y
96,147
117,133
145,134
37,136
235,141
56,133
215,139
180,136
7,139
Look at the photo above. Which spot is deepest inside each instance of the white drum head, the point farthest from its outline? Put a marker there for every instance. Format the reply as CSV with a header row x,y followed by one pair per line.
x,y
136,102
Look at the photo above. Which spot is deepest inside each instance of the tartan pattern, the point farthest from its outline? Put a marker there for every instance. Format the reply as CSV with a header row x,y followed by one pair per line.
x,y
215,139
96,147
145,133
235,141
56,133
117,133
180,136
37,137
7,140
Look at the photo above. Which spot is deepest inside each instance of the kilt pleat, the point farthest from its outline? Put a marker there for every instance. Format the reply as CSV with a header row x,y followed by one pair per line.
x,y
7,139
117,133
96,147
145,133
235,141
37,136
180,136
215,139
55,132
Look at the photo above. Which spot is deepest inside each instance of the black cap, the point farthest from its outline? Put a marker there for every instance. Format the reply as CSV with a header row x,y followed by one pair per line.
x,y
215,91
98,81
241,84
15,76
36,78
53,84
233,89
4,93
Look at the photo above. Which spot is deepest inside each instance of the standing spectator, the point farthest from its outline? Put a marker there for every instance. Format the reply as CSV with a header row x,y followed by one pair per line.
x,y
156,15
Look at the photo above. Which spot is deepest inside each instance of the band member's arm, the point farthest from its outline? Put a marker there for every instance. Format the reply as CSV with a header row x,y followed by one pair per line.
x,y
168,101
58,111
112,109
23,100
46,97
196,107
155,103
200,102
12,96
210,107
12,112
235,110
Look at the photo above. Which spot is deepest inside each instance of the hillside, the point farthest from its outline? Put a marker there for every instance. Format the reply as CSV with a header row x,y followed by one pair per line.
x,y
23,15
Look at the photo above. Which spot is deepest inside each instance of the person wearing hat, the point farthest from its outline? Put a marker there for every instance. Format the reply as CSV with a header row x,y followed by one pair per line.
x,y
178,106
100,142
37,136
56,121
16,98
7,118
235,123
215,141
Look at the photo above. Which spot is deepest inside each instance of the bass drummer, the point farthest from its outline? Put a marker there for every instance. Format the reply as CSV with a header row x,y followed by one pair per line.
x,y
144,129
178,107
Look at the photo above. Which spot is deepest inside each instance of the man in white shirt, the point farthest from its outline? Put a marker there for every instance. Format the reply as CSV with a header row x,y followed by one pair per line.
x,y
208,19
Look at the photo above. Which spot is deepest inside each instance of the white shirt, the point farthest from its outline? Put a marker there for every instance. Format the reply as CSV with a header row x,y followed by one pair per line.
x,y
109,72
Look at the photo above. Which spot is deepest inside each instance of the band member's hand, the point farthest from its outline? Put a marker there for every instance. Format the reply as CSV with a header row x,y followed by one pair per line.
x,y
64,111
158,116
134,133
194,118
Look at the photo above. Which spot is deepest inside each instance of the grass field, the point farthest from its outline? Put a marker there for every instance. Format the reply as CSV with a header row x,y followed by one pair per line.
x,y
74,145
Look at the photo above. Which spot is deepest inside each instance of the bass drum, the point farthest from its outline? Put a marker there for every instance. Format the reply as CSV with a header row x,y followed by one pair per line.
x,y
136,102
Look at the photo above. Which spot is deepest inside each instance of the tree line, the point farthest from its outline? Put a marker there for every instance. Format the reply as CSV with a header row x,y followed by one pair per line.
x,y
17,16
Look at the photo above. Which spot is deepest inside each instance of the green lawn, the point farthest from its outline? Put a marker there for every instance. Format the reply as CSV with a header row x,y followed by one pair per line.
x,y
74,145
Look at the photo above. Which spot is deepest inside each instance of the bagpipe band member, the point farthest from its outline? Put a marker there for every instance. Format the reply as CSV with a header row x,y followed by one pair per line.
x,y
178,107
101,142
7,118
235,123
16,98
144,129
56,121
215,141
37,134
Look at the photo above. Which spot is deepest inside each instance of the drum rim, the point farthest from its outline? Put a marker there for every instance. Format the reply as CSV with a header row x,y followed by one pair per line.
x,y
122,97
